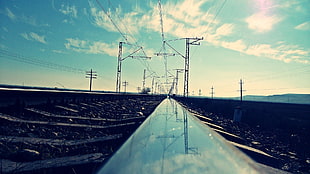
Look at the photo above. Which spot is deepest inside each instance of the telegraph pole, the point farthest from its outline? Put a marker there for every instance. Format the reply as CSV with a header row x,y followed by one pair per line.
x,y
238,110
212,92
241,90
91,75
143,82
125,84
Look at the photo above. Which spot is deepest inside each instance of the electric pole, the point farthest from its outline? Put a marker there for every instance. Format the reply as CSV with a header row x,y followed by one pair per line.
x,y
177,79
159,88
241,90
212,92
91,75
186,69
120,58
154,84
119,67
125,84
189,41
143,82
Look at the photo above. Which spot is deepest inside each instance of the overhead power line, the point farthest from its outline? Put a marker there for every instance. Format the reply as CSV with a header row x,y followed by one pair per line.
x,y
114,24
128,42
37,62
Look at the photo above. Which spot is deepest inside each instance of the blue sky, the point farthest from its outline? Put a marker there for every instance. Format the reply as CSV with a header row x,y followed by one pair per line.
x,y
52,43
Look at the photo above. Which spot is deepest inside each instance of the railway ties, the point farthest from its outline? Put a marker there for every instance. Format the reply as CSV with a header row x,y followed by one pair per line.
x,y
67,135
83,139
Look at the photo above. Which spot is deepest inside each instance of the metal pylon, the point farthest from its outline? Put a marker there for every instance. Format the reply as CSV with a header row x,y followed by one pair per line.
x,y
120,58
186,68
119,68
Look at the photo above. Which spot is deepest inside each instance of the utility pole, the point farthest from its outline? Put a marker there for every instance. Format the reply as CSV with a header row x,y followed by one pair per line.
x,y
120,58
238,110
119,67
125,84
159,88
241,90
155,87
212,92
177,79
91,75
186,69
154,83
189,41
143,82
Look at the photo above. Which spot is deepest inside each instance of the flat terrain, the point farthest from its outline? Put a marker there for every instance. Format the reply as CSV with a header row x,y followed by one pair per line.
x,y
277,129
76,132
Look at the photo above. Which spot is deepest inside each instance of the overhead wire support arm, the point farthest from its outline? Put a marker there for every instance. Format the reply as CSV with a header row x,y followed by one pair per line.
x,y
186,69
175,50
196,40
164,54
146,57
119,63
189,41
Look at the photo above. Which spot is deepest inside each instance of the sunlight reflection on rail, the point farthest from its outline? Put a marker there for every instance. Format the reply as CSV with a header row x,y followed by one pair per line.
x,y
171,140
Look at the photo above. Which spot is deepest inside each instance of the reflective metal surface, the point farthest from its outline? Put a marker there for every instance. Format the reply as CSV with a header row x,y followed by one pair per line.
x,y
171,140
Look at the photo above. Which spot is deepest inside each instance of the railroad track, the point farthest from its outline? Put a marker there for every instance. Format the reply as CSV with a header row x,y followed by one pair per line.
x,y
57,131
164,144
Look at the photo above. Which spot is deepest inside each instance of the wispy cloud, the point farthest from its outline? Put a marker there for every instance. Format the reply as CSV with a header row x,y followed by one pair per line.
x,y
128,23
10,14
69,10
224,30
5,29
262,22
304,26
58,51
34,37
24,19
90,47
31,21
2,46
180,19
188,18
282,52
100,19
238,45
